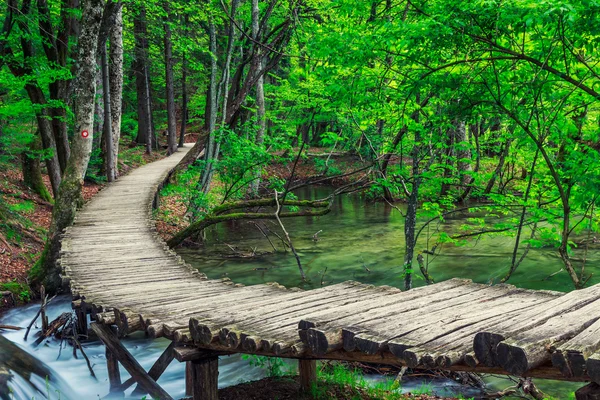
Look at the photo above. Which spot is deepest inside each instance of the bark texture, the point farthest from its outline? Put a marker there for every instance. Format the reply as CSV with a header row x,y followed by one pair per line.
x,y
116,84
170,84
69,193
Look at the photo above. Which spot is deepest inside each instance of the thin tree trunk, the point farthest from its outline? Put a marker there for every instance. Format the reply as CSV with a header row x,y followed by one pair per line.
x,y
463,153
260,97
69,194
184,99
144,135
222,90
107,126
513,263
116,85
47,135
32,173
170,84
496,174
212,121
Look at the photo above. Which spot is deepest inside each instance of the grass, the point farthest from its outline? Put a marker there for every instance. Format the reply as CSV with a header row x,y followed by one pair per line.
x,y
335,377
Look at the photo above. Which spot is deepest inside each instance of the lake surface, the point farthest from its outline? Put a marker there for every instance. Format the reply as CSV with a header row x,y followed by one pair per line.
x,y
358,240
364,241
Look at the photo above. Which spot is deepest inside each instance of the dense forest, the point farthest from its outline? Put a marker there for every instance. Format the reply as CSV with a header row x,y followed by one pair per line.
x,y
487,110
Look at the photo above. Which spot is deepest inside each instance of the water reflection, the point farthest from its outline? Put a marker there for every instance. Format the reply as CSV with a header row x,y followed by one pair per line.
x,y
358,234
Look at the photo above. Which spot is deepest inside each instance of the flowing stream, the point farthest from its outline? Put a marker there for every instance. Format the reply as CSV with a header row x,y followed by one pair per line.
x,y
358,240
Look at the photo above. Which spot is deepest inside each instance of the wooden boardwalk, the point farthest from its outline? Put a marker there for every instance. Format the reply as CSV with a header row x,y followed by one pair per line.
x,y
123,274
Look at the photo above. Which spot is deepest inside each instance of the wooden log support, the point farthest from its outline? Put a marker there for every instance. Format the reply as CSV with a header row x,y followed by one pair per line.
x,y
114,374
158,368
189,390
81,311
134,368
588,392
205,374
308,373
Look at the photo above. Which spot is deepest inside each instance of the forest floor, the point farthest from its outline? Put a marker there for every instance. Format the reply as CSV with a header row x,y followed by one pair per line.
x,y
22,236
288,388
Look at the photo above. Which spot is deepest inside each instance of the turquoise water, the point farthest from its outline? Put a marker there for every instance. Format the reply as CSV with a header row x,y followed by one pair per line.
x,y
364,241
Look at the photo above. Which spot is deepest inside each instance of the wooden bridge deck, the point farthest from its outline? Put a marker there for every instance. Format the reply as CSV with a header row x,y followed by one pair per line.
x,y
124,275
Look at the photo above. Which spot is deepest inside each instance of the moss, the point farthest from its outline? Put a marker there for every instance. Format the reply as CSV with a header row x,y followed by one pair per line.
x,y
21,290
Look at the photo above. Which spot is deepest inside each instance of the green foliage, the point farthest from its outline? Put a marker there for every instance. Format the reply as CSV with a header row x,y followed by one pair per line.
x,y
20,290
274,366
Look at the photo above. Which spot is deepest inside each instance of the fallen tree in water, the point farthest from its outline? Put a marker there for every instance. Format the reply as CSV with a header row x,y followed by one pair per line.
x,y
234,211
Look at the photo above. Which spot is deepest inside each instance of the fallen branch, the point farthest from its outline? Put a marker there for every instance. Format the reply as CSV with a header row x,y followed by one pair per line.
x,y
62,320
45,302
265,235
322,206
10,327
287,236
87,360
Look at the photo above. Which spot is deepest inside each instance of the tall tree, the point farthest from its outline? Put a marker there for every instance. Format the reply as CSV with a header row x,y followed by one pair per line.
x,y
69,196
116,84
169,83
142,84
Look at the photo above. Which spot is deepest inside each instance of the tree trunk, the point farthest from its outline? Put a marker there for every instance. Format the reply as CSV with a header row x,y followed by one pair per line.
x,y
47,135
170,85
140,32
204,181
222,92
107,126
116,84
499,167
32,173
463,153
449,161
260,98
184,100
69,194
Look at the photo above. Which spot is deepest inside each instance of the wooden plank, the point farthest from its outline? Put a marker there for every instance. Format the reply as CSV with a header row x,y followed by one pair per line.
x,y
373,335
114,375
186,353
129,362
456,333
485,343
571,357
324,331
529,349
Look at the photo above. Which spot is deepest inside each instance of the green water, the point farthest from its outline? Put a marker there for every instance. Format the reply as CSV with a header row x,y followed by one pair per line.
x,y
364,241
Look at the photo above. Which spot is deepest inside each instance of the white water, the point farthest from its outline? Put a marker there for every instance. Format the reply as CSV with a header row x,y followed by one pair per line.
x,y
41,373
69,377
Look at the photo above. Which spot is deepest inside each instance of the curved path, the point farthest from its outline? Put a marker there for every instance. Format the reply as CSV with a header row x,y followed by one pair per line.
x,y
123,274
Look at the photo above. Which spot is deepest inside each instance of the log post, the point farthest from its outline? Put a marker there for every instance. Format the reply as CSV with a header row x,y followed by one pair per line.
x,y
81,314
588,392
188,379
205,374
114,374
308,373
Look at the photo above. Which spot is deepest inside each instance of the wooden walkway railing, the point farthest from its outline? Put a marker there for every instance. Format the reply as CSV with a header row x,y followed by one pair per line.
x,y
124,275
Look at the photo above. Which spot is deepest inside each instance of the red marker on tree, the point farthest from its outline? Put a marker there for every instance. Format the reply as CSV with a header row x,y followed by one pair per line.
x,y
85,134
